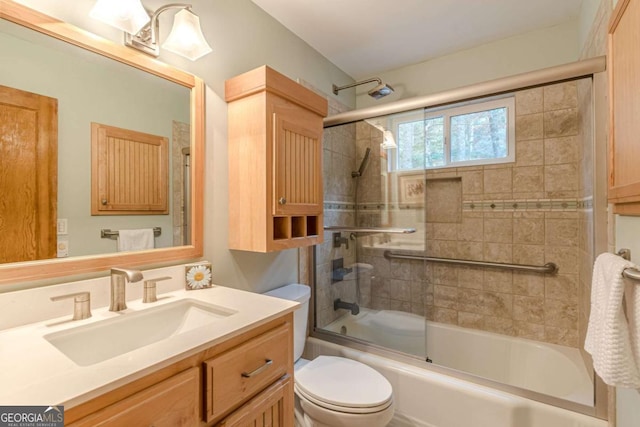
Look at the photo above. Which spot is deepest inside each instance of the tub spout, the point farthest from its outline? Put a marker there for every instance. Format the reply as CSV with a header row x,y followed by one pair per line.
x,y
352,306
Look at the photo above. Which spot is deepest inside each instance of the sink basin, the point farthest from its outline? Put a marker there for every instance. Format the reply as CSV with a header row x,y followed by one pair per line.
x,y
100,341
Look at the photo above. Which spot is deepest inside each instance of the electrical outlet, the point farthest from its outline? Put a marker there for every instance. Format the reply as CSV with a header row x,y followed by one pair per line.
x,y
63,248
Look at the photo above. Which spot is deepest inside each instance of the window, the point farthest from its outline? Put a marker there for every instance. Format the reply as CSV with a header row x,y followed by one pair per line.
x,y
473,134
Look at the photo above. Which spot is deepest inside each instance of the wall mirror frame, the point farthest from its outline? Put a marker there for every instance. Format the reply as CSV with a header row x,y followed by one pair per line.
x,y
58,267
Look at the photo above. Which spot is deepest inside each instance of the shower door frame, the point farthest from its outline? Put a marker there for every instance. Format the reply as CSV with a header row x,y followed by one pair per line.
x,y
592,68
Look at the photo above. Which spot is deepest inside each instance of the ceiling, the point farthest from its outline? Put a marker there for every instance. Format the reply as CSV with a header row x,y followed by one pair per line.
x,y
365,37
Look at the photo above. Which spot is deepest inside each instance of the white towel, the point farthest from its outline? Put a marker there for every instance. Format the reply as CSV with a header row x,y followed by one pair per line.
x,y
135,240
612,339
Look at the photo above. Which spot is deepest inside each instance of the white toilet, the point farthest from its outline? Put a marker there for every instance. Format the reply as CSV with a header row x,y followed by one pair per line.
x,y
333,391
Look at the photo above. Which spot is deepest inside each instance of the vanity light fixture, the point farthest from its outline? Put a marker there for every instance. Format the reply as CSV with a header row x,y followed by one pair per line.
x,y
185,39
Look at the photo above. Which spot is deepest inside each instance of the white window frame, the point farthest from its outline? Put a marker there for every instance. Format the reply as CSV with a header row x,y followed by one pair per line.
x,y
447,113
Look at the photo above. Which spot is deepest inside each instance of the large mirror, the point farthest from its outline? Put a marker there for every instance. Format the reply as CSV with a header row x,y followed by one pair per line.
x,y
92,80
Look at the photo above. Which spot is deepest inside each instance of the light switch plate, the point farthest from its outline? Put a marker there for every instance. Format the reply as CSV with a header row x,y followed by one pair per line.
x,y
62,226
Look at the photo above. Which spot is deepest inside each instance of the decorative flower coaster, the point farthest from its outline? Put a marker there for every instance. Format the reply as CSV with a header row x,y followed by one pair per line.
x,y
198,275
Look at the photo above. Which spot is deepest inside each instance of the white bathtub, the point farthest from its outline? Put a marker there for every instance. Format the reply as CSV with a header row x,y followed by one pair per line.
x,y
550,369
425,398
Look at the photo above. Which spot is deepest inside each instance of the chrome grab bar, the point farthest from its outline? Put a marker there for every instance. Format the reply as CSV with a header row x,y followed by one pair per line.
x,y
549,267
390,230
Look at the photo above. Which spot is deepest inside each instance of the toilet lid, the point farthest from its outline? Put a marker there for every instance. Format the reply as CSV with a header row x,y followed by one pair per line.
x,y
343,382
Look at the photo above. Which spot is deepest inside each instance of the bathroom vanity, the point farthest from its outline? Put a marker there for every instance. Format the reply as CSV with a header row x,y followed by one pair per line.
x,y
216,356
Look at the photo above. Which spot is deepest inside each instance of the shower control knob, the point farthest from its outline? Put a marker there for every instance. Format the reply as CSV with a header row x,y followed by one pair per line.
x,y
282,201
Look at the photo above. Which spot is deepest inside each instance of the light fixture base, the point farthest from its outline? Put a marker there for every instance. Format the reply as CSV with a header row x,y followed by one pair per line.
x,y
143,40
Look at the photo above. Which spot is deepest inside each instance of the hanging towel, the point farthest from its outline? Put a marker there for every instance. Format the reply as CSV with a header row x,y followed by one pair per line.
x,y
135,240
612,338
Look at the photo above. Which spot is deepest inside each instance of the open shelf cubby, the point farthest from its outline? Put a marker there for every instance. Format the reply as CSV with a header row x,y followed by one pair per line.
x,y
313,228
281,229
298,227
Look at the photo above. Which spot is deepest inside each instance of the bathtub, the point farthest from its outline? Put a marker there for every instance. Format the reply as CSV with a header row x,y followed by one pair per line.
x,y
550,369
425,398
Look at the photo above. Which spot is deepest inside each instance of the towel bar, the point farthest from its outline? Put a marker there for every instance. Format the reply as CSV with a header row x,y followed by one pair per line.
x,y
105,233
629,273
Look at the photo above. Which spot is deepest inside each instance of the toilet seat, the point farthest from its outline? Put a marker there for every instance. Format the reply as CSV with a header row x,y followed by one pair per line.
x,y
343,385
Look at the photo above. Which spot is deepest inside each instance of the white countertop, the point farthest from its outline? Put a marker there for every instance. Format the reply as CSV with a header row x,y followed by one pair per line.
x,y
34,372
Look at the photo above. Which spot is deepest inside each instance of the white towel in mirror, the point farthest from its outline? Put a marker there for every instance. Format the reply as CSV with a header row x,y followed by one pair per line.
x,y
135,240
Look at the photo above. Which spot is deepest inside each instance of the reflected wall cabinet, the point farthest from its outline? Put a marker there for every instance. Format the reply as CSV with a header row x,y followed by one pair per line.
x,y
624,90
275,162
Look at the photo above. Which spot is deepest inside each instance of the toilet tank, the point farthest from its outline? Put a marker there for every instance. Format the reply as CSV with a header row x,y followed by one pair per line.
x,y
301,294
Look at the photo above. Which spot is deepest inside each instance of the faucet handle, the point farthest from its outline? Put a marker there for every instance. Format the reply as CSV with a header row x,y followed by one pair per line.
x,y
81,304
149,292
131,275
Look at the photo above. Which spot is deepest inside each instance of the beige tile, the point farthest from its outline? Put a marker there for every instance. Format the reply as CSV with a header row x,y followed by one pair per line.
x,y
444,200
528,284
471,229
445,315
561,336
498,252
498,304
530,126
561,177
400,269
498,281
443,231
561,150
445,296
471,250
499,325
560,96
560,314
560,123
528,254
565,257
442,248
497,180
530,152
445,274
498,230
400,306
470,277
470,320
529,101
561,287
561,232
472,182
531,331
528,179
400,290
528,309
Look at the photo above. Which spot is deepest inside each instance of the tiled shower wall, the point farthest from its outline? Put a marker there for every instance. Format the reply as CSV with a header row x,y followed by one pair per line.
x,y
527,212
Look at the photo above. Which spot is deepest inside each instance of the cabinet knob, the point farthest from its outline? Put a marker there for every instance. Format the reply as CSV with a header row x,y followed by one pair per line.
x,y
282,201
104,202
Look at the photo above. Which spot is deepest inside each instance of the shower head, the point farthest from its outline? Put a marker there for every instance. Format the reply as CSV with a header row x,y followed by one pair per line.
x,y
377,92
380,91
363,164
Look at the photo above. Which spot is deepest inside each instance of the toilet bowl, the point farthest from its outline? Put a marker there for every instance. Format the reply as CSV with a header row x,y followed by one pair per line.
x,y
333,391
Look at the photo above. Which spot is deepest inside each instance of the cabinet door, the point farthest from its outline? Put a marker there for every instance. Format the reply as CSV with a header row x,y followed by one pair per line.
x,y
170,403
297,168
271,408
624,84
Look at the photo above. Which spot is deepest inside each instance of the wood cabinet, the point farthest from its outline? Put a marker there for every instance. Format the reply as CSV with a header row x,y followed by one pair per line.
x,y
129,172
233,383
275,162
624,98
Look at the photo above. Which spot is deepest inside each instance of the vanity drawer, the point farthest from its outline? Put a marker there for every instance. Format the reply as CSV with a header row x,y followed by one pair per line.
x,y
245,370
169,403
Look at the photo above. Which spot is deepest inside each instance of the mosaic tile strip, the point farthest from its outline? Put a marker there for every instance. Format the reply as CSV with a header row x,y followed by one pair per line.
x,y
477,205
520,205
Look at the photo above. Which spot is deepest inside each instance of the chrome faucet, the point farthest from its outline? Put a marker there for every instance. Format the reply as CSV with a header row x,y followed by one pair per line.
x,y
119,277
352,306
